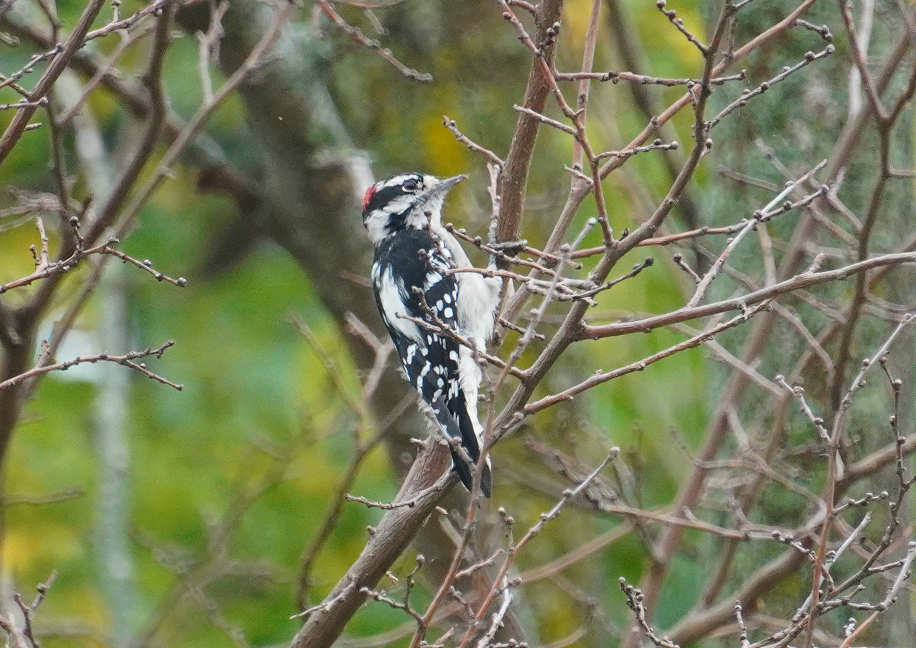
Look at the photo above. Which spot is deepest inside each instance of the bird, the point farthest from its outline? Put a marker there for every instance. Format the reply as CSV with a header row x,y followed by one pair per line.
x,y
418,298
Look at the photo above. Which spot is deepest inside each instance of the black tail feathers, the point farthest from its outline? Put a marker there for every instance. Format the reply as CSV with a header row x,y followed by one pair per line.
x,y
466,474
463,429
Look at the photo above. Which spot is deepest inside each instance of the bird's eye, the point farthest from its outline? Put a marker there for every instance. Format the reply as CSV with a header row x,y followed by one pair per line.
x,y
411,185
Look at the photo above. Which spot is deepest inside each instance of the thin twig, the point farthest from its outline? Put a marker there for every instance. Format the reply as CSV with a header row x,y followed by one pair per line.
x,y
356,34
128,360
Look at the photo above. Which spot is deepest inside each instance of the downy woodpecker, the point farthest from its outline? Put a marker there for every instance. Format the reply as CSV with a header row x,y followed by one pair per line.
x,y
411,279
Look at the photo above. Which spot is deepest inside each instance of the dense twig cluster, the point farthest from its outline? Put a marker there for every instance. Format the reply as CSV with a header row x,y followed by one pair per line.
x,y
542,275
770,282
90,229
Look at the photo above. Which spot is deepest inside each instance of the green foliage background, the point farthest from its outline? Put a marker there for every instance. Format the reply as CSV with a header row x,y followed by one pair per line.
x,y
258,412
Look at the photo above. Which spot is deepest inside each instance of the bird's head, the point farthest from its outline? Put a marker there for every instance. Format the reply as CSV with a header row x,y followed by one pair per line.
x,y
408,200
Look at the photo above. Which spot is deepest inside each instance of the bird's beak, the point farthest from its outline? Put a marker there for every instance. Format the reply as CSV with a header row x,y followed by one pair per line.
x,y
444,186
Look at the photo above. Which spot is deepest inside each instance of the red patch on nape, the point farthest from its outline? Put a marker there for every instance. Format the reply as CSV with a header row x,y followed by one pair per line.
x,y
369,193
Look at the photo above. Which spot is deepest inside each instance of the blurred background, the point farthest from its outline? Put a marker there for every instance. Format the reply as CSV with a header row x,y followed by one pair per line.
x,y
182,518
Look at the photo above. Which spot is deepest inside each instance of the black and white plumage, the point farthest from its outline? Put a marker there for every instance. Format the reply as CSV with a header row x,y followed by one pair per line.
x,y
413,252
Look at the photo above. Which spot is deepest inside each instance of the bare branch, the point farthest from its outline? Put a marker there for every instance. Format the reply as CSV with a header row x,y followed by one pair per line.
x,y
356,34
127,360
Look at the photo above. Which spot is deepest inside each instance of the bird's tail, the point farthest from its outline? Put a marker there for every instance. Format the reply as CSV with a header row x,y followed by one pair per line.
x,y
460,426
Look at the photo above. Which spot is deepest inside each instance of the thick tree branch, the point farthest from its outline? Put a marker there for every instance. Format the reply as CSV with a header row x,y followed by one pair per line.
x,y
429,479
521,149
